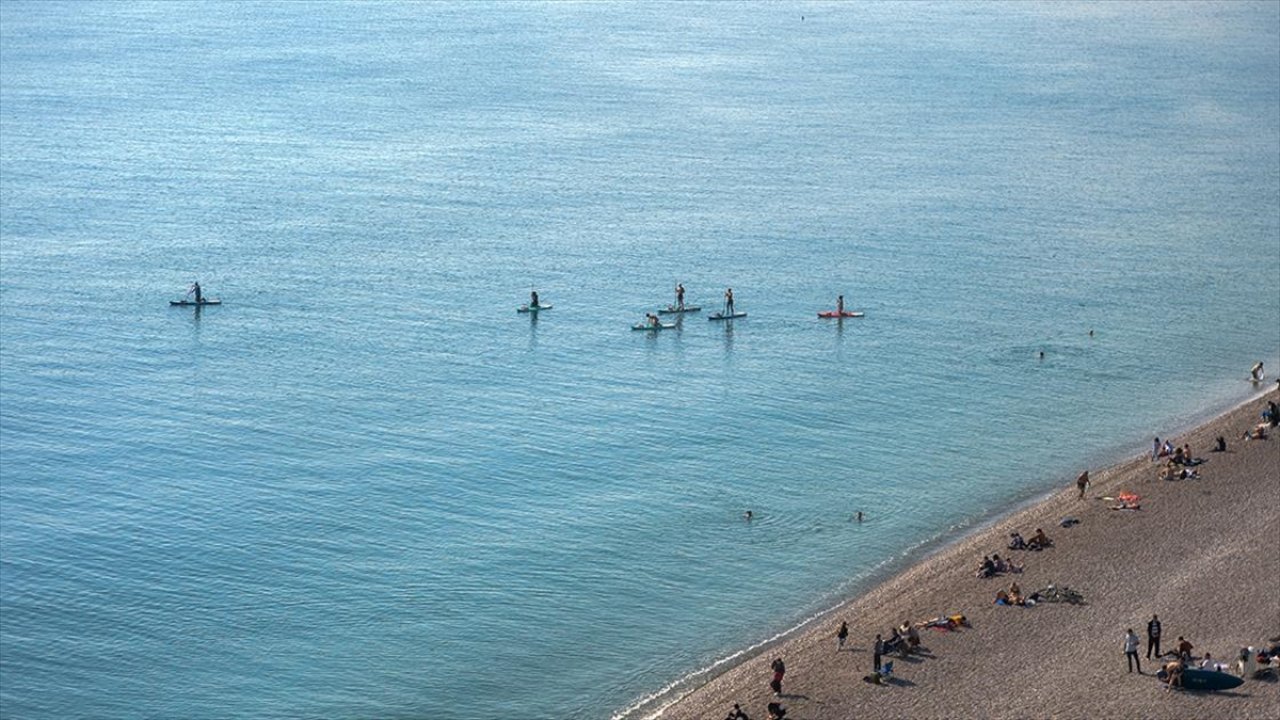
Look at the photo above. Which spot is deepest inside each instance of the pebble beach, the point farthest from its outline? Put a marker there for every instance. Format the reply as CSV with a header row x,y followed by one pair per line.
x,y
1200,553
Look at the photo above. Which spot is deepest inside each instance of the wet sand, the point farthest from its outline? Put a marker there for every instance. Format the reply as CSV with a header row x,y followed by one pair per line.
x,y
1203,554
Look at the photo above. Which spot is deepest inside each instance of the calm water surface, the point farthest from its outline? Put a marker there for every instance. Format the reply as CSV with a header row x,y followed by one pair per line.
x,y
365,487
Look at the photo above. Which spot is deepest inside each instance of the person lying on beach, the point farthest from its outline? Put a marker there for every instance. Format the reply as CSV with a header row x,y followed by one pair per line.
x,y
1259,433
1015,595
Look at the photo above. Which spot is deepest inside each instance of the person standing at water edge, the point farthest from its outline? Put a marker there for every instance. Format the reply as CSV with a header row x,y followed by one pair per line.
x,y
1131,650
779,669
1082,482
841,635
1153,636
876,651
1255,372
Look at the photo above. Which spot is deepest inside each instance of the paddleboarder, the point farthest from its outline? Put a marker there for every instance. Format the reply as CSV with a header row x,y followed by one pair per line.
x,y
679,296
195,288
533,298
728,301
840,306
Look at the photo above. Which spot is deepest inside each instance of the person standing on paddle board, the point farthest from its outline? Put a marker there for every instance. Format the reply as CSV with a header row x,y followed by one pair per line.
x,y
679,296
533,298
195,288
840,305
728,301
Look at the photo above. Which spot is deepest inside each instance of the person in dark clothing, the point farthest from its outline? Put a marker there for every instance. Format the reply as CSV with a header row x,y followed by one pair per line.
x,y
877,651
1153,636
779,669
195,288
736,713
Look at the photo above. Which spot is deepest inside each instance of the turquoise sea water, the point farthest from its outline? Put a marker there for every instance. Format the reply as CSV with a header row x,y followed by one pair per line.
x,y
365,487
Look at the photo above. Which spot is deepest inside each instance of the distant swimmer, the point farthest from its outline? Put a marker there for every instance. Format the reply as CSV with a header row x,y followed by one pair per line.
x,y
1041,354
1090,332
1255,373
747,516
858,516
679,296
728,301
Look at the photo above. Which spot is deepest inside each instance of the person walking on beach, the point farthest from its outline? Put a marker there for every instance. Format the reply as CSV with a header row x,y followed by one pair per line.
x,y
779,669
1131,650
1082,482
877,650
841,635
1153,636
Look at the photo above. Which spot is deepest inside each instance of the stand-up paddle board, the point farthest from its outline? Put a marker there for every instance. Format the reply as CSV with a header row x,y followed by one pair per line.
x,y
672,309
659,326
532,308
722,316
835,314
193,303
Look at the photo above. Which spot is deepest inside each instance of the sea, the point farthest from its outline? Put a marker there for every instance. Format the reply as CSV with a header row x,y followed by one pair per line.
x,y
365,486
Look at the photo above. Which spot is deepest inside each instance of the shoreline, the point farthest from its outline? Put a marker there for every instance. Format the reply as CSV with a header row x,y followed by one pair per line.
x,y
714,689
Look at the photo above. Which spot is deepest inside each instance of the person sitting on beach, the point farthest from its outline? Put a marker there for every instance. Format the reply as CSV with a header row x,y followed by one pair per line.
x,y
1039,541
1184,649
1170,472
1178,458
1220,445
1016,542
1167,449
912,635
998,564
1015,595
736,713
1272,413
986,568
1002,597
1011,567
776,711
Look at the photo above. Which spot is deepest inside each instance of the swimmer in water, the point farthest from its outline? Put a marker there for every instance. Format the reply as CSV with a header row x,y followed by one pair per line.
x,y
1255,373
747,516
